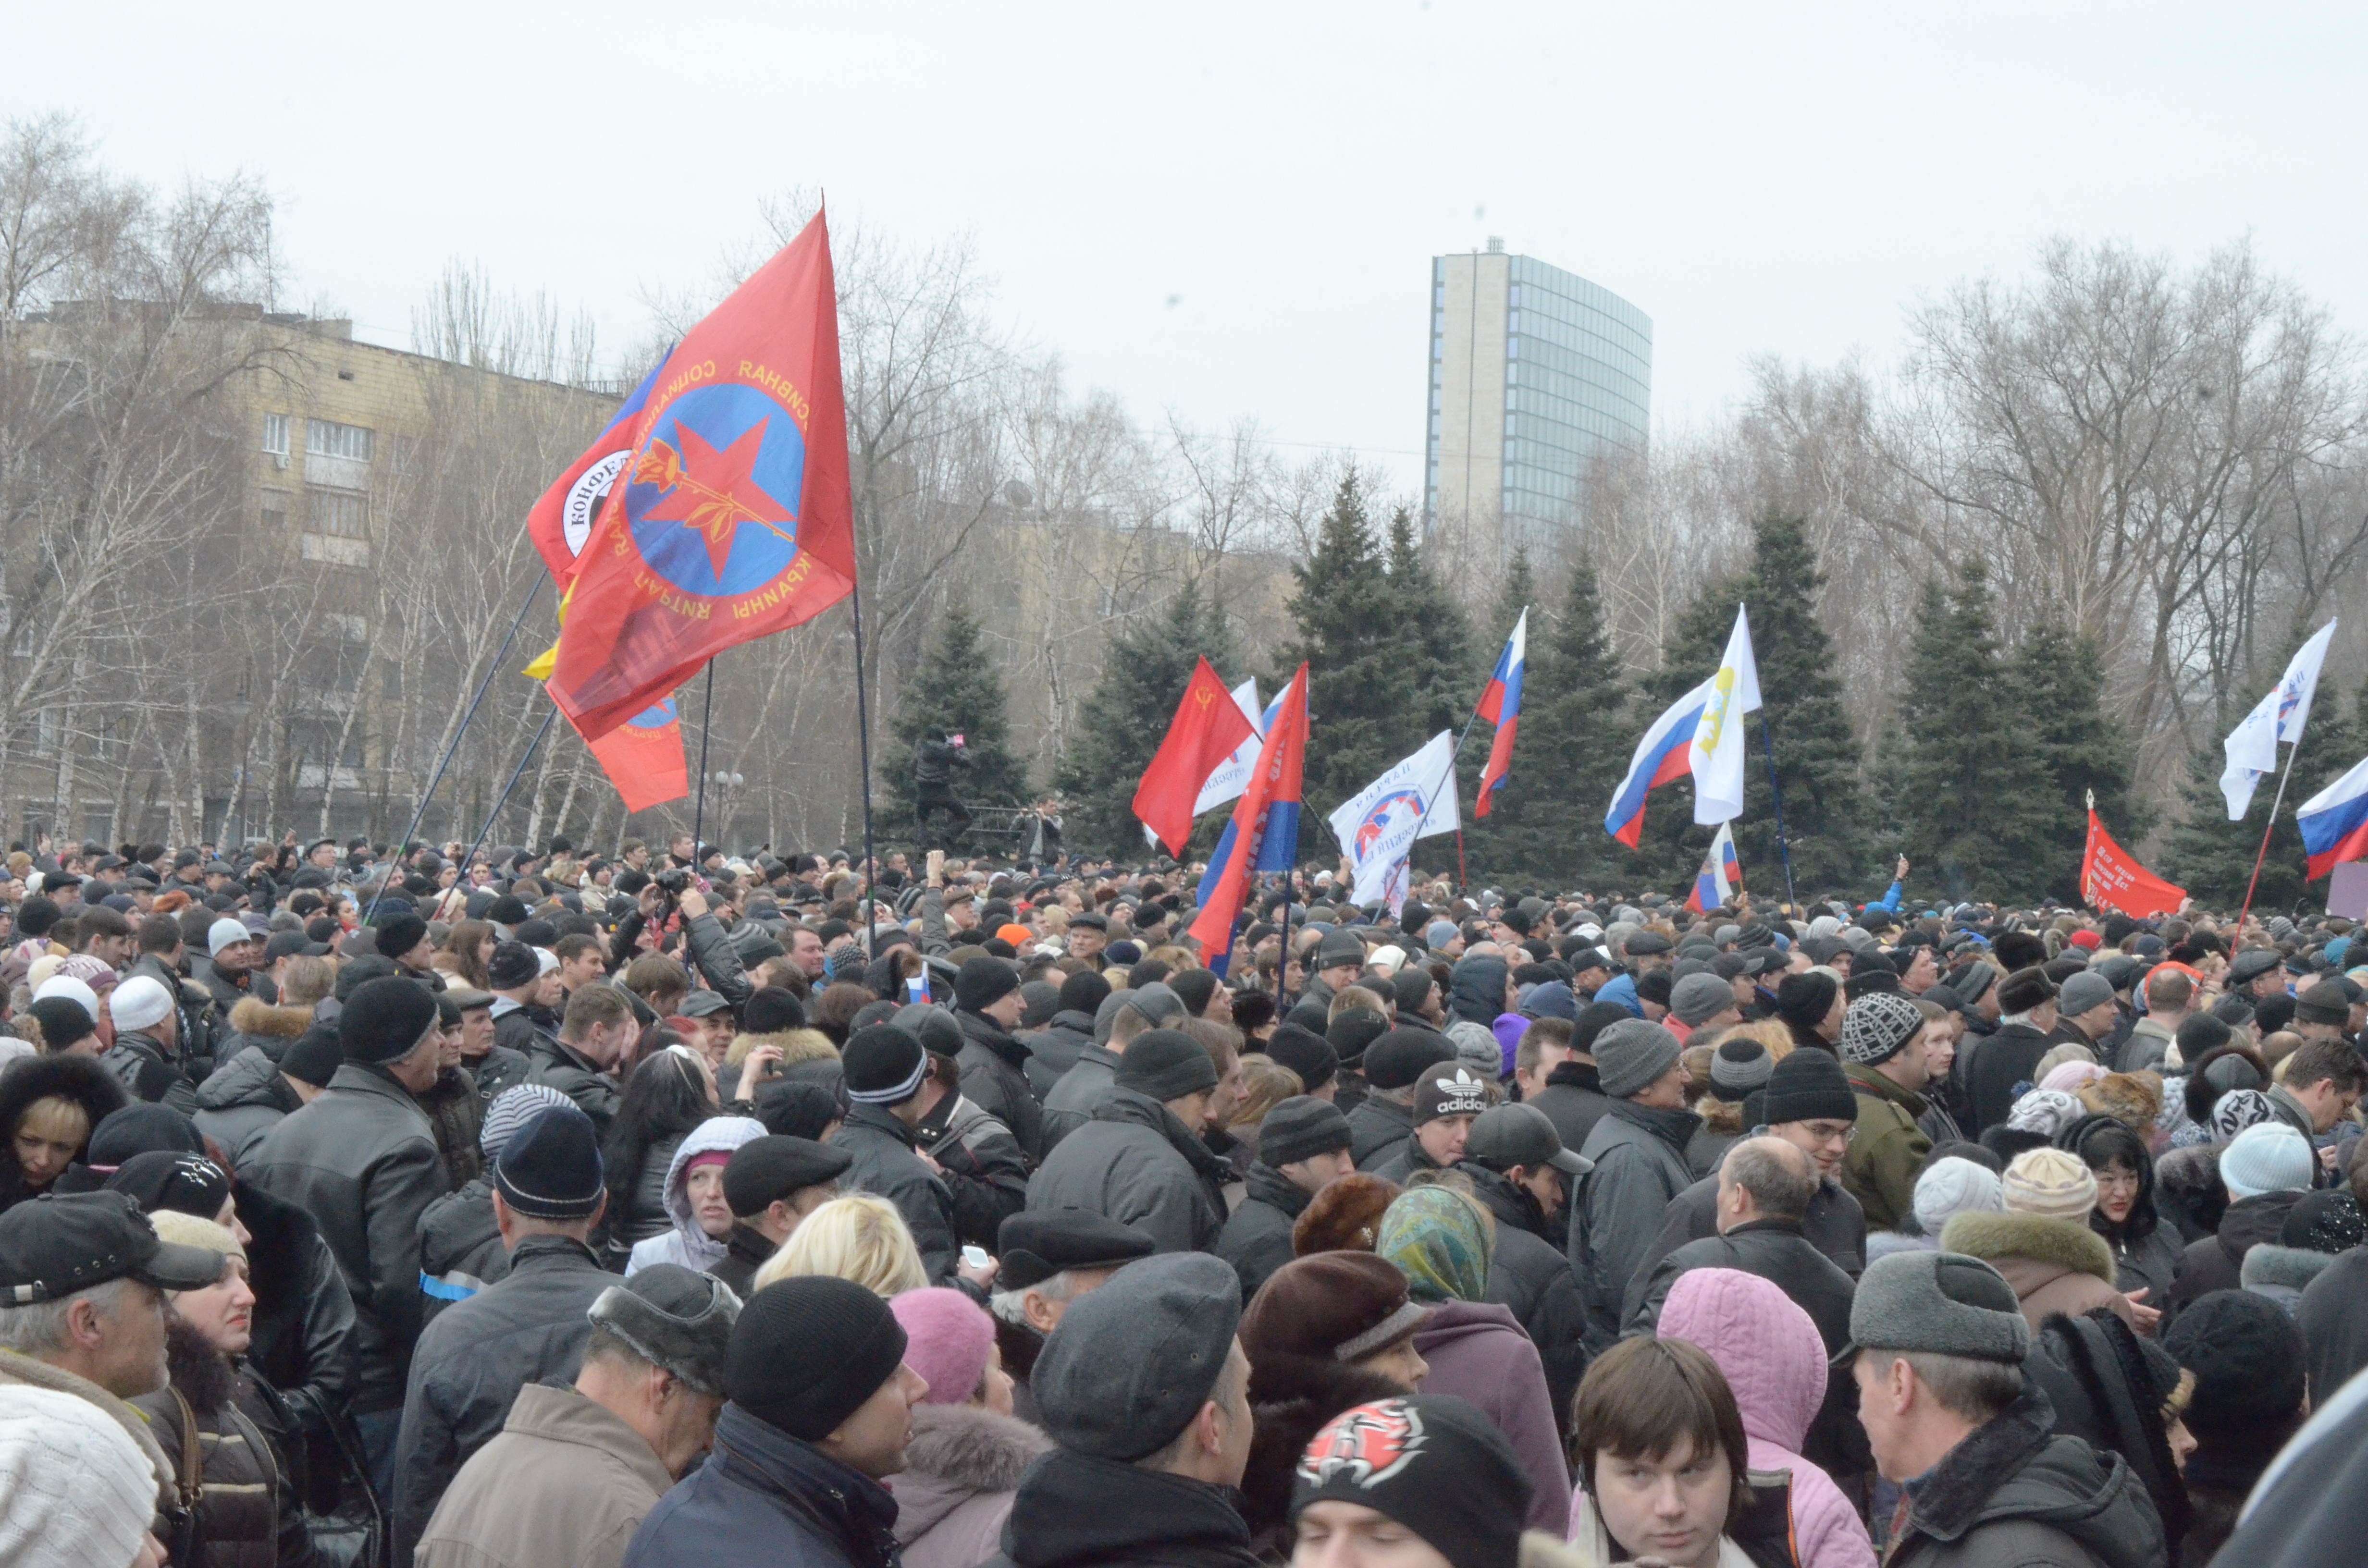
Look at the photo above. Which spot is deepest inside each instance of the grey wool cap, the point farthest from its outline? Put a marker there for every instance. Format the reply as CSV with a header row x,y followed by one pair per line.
x,y
1631,1054
1939,1303
1133,1362
2083,990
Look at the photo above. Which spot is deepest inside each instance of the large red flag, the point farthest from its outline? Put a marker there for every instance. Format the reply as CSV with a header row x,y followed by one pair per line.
x,y
1264,834
644,757
1207,727
732,520
2111,879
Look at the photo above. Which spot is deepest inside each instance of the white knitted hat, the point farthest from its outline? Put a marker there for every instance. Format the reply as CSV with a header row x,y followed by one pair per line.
x,y
75,1492
1950,1187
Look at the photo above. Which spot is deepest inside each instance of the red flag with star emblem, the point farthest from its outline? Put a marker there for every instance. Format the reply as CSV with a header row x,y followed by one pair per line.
x,y
732,520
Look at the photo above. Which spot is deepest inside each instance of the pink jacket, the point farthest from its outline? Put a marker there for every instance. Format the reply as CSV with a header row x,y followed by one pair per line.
x,y
1776,1364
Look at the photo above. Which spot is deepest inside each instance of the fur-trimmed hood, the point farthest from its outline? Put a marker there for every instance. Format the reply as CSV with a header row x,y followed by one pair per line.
x,y
29,1078
968,1450
253,1015
796,1046
2273,1270
2068,1245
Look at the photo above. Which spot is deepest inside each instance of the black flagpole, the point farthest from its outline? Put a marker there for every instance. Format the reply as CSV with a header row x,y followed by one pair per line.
x,y
699,810
402,843
527,756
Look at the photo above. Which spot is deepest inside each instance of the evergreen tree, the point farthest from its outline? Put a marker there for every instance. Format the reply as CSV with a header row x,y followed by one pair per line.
x,y
2060,681
1359,697
1435,640
1548,819
2211,857
1975,798
1120,725
956,686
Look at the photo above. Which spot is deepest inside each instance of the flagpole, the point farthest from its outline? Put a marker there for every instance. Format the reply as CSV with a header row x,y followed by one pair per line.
x,y
438,778
698,808
1282,960
1768,746
516,773
863,753
2267,828
1432,797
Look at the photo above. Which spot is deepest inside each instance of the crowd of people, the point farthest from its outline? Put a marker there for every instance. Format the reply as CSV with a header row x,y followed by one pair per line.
x,y
539,1209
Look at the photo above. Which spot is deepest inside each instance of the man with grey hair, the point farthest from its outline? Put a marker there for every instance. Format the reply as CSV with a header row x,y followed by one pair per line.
x,y
1765,1185
1047,1259
1083,1088
575,1469
362,1160
82,1305
1937,1347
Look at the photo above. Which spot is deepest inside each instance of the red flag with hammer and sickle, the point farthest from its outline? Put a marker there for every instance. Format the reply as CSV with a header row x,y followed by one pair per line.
x,y
732,520
1207,727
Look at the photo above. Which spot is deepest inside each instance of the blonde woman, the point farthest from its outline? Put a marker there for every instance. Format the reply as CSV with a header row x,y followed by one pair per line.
x,y
858,1237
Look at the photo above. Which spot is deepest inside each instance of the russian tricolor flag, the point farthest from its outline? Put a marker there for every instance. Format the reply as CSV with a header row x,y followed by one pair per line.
x,y
1501,705
1721,875
2334,822
1663,756
1264,833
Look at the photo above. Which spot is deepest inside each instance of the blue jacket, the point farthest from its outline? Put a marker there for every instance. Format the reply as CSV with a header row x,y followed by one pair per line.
x,y
763,1497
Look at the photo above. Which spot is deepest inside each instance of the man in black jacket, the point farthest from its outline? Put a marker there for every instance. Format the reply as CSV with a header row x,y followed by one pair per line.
x,y
578,1062
1145,1391
934,759
362,1160
2026,1002
1764,1187
526,1327
772,1184
886,1069
1054,1049
1570,1089
1302,1149
520,1023
1522,1172
1382,1122
988,1006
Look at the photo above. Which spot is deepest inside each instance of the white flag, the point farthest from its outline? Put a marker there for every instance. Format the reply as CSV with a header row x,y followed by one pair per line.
x,y
1378,825
2252,746
1230,778
1716,757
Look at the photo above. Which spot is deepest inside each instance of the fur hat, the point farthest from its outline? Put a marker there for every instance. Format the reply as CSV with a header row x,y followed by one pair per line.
x,y
2132,1099
1344,1217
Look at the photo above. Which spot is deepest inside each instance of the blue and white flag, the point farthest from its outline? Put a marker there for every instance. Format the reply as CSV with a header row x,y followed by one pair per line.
x,y
2252,746
1377,826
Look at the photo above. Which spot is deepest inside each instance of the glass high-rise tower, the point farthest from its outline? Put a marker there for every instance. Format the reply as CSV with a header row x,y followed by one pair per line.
x,y
1536,376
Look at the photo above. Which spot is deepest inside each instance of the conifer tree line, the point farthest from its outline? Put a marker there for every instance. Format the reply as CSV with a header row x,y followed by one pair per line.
x,y
1980,777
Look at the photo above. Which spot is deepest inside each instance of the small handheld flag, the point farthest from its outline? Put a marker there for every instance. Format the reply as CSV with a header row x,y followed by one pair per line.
x,y
1208,725
1500,704
2252,746
1720,877
1264,833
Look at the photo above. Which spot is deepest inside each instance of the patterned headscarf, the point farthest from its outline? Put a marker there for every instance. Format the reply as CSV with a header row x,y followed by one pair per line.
x,y
1441,1242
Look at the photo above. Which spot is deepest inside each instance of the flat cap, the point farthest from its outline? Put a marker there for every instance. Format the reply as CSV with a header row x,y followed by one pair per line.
x,y
1132,1363
765,1170
1036,1244
1942,1303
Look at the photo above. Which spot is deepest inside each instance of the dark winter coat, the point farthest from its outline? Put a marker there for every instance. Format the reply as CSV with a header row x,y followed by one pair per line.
x,y
1835,1225
1256,1237
523,1029
256,1023
2004,1058
243,1099
472,1361
1081,1090
1475,989
248,1513
1574,1100
1640,1168
1291,1398
149,1071
709,947
994,1078
2217,1262
1073,1511
498,1069
1054,1049
2334,1322
763,1497
643,1214
885,1164
2094,1375
745,1250
1529,1274
2146,1250
980,1162
362,1160
2014,1495
458,1115
1136,1163
303,1326
1379,1131
29,1078
1775,1250
460,1249
596,1093
2188,1194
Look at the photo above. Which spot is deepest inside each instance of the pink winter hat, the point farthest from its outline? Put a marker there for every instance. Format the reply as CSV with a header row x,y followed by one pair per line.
x,y
947,1339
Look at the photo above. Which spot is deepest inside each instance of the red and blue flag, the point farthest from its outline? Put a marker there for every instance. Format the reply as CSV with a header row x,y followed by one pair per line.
x,y
1264,833
1501,705
560,522
734,520
1663,756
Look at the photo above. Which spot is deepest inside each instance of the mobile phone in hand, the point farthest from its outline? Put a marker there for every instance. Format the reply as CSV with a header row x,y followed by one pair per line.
x,y
975,1257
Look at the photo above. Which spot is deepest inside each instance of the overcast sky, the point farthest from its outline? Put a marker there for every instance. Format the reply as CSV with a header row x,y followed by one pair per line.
x,y
1230,208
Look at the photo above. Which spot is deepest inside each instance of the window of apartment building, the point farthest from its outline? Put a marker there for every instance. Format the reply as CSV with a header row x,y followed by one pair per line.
x,y
325,439
340,514
275,434
273,504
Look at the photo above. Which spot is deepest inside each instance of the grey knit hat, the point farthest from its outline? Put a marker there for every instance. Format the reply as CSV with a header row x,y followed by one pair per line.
x,y
1877,1027
1740,1066
1941,1303
1631,1054
2083,990
1698,998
